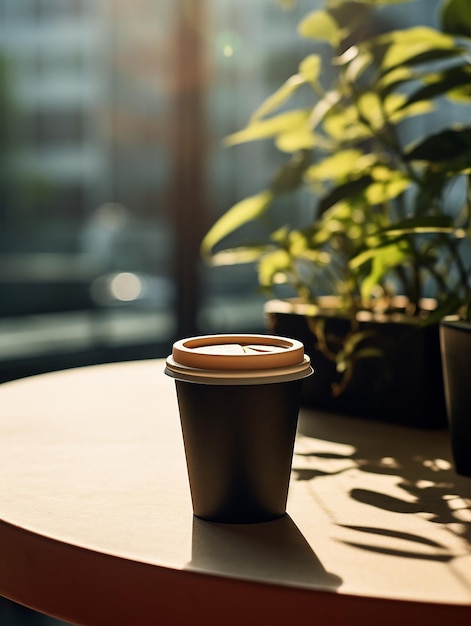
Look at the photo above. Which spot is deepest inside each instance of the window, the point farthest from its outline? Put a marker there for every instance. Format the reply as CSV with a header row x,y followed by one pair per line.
x,y
112,167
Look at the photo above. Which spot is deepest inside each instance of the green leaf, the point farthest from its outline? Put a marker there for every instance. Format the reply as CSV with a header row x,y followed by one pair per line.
x,y
412,46
376,112
347,190
416,108
335,167
442,84
419,226
387,187
451,146
401,58
370,353
461,95
320,25
456,17
343,125
272,267
395,78
244,211
301,138
384,259
310,68
239,255
426,36
263,129
279,97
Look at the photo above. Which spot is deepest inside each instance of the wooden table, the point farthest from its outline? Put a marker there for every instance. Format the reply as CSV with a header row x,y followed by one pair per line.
x,y
96,522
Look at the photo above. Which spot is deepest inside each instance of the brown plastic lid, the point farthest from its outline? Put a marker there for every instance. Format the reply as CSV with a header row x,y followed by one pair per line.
x,y
233,357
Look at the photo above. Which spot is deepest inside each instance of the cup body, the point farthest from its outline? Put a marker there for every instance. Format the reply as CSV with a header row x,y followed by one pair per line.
x,y
238,433
239,443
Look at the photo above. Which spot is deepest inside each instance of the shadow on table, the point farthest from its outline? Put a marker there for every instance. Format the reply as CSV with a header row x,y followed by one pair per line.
x,y
421,460
272,551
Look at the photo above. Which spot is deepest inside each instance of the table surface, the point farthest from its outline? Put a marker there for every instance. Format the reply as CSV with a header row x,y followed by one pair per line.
x,y
96,524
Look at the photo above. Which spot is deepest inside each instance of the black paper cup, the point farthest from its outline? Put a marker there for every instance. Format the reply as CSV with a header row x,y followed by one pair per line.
x,y
238,398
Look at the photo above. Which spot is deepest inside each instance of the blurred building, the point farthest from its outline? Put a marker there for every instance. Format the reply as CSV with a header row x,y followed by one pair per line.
x,y
112,162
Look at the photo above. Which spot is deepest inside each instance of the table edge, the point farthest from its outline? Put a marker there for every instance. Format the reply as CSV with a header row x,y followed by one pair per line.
x,y
48,575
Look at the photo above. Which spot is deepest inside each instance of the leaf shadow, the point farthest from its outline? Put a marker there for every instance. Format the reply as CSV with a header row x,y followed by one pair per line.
x,y
420,459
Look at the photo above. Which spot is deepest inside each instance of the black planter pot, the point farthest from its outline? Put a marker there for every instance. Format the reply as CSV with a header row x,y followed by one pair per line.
x,y
455,339
405,386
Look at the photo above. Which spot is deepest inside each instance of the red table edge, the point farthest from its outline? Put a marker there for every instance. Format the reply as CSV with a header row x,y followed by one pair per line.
x,y
94,589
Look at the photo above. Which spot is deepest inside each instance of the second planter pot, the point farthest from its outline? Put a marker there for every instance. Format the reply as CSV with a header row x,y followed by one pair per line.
x,y
455,339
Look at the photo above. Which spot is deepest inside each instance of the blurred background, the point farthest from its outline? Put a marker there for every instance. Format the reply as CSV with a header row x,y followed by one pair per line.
x,y
112,168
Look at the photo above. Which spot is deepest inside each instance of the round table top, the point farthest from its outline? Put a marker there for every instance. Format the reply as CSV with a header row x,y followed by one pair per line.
x,y
96,525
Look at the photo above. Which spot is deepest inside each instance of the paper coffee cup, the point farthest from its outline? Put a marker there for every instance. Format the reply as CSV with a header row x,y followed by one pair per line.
x,y
238,397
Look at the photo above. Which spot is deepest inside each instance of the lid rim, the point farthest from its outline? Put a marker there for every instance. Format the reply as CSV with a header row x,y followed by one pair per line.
x,y
247,377
287,352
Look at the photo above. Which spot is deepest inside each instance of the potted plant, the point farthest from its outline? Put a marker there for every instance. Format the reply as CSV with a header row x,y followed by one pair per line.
x,y
380,261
